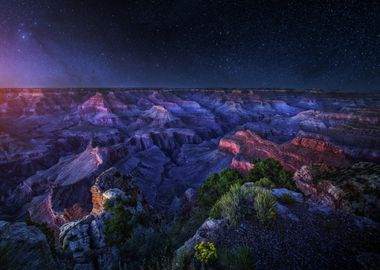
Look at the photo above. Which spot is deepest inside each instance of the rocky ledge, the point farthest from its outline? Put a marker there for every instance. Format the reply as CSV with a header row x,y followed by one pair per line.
x,y
304,235
355,189
249,146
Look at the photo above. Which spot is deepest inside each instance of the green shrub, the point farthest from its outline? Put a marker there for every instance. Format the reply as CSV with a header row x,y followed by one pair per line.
x,y
272,169
108,204
216,211
286,199
230,205
265,182
205,252
119,226
216,185
241,259
265,206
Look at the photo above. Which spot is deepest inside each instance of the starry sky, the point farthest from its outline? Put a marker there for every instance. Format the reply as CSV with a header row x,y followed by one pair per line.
x,y
191,43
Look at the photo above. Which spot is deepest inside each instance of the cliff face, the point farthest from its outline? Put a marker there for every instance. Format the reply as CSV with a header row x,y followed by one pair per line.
x,y
300,151
354,189
55,142
84,240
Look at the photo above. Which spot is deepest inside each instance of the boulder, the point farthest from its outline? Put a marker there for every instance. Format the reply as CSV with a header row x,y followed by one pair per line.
x,y
24,247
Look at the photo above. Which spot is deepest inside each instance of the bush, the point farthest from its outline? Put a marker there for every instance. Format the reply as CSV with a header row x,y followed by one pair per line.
x,y
216,211
271,169
216,185
205,252
119,227
242,259
265,182
230,205
265,206
286,199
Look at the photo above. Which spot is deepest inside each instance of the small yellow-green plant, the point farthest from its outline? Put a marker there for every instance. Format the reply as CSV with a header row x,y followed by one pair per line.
x,y
265,182
205,252
265,206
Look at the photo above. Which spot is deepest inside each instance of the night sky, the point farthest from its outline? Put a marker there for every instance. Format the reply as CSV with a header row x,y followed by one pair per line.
x,y
199,43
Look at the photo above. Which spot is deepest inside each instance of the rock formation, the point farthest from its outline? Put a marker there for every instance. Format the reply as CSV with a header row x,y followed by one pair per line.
x,y
354,189
249,146
303,235
169,140
24,247
85,239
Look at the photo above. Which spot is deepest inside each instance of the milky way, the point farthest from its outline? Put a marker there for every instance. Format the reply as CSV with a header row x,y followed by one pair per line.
x,y
324,44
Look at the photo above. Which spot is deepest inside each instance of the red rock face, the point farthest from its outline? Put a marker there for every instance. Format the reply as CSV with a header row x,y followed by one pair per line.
x,y
301,151
241,166
318,145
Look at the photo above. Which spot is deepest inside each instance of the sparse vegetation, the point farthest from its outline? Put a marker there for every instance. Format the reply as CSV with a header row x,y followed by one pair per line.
x,y
241,259
273,170
119,227
205,252
265,182
265,206
216,185
229,205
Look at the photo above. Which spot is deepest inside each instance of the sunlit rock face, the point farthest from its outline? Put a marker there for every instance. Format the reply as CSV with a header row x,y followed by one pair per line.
x,y
300,151
54,143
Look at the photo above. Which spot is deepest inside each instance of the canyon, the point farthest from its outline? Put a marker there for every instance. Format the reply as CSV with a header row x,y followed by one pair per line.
x,y
54,143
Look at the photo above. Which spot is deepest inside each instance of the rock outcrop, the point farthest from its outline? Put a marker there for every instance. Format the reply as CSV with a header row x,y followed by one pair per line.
x,y
354,189
304,235
111,179
249,146
85,239
24,247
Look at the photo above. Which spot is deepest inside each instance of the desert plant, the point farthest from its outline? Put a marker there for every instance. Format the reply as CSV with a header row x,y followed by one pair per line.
x,y
272,169
286,199
241,259
265,206
230,205
120,225
265,182
205,252
216,211
216,185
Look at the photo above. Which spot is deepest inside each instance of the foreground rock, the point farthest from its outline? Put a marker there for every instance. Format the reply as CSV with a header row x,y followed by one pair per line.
x,y
24,247
355,189
85,239
304,235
